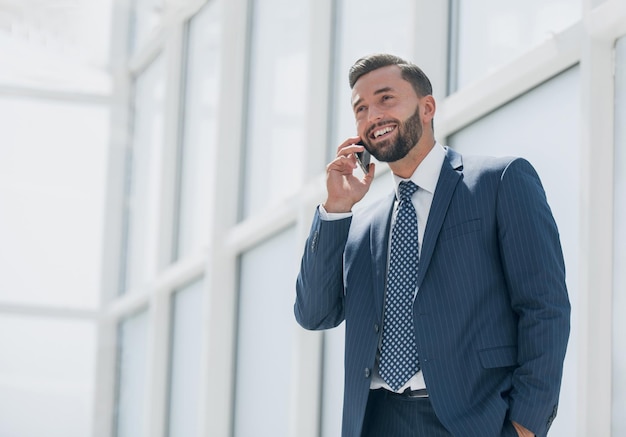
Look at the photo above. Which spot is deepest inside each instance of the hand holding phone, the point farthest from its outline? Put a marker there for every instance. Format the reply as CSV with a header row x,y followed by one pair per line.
x,y
344,188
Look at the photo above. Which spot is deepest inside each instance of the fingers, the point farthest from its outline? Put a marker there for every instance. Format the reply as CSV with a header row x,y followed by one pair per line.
x,y
522,431
369,177
349,147
345,161
344,188
343,165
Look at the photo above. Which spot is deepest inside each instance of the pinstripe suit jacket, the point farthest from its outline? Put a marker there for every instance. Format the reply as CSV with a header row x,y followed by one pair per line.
x,y
491,315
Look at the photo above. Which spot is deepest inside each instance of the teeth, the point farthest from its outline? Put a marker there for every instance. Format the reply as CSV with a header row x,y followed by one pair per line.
x,y
382,131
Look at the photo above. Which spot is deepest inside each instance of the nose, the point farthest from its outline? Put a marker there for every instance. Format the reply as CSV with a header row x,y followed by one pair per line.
x,y
374,114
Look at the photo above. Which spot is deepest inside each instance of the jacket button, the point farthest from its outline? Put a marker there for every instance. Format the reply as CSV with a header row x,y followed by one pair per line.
x,y
367,372
376,327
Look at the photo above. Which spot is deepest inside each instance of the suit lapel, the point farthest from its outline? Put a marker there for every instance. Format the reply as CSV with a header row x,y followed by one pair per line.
x,y
448,179
379,241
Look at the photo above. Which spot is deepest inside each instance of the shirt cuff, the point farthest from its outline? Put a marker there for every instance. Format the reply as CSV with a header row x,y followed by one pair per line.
x,y
331,216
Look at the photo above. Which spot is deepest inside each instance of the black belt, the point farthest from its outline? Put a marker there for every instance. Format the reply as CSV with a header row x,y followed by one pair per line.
x,y
408,393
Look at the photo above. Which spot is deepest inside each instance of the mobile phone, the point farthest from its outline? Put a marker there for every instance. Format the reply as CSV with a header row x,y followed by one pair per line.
x,y
363,158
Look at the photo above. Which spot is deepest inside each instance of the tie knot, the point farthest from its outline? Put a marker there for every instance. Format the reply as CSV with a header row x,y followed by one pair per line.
x,y
406,190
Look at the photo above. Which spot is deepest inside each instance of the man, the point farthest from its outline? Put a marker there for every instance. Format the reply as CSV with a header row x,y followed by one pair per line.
x,y
452,289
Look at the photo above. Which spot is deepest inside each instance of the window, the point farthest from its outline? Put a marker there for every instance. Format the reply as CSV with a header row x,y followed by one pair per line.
x,y
132,376
185,360
143,168
364,28
52,185
47,376
277,102
199,130
333,380
486,34
55,47
265,338
55,85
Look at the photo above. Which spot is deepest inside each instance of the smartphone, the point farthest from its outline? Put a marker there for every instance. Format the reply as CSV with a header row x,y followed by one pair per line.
x,y
363,158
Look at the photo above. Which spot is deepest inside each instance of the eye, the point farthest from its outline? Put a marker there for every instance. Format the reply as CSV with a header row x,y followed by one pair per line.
x,y
359,109
386,97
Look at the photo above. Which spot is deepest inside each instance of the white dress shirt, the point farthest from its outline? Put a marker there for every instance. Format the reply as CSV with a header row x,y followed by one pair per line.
x,y
425,177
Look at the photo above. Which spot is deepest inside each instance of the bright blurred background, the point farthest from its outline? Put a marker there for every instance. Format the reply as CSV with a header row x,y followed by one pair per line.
x,y
160,161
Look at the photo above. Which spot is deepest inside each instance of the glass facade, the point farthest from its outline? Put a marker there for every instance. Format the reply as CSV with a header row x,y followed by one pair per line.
x,y
46,47
132,376
277,102
332,389
55,171
355,39
199,124
46,376
185,361
265,344
153,210
482,42
142,179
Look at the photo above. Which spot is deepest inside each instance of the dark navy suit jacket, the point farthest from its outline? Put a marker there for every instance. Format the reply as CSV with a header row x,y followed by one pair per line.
x,y
491,314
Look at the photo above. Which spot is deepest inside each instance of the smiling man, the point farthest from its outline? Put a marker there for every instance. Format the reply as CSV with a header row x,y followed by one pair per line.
x,y
452,289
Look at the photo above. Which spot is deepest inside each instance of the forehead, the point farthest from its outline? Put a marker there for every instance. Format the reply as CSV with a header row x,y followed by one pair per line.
x,y
389,78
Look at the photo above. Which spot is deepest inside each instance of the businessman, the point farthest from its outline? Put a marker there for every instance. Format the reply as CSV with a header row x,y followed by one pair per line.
x,y
452,289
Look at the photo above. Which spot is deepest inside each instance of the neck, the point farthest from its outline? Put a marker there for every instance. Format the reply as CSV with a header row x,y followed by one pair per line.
x,y
406,166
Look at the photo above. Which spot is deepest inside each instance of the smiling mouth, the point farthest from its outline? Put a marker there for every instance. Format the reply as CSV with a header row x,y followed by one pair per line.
x,y
382,132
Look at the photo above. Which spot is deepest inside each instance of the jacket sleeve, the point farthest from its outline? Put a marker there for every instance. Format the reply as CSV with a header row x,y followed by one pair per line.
x,y
319,287
535,274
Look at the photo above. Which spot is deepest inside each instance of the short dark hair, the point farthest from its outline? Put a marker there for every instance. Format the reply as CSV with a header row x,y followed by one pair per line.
x,y
410,72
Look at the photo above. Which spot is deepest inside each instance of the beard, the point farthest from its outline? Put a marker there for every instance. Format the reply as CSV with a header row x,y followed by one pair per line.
x,y
409,133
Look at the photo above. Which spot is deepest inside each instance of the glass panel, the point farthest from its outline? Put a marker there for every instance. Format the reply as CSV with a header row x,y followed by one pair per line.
x,y
47,372
199,130
186,358
490,33
54,46
619,284
332,381
132,376
265,338
549,139
143,183
367,18
277,101
52,190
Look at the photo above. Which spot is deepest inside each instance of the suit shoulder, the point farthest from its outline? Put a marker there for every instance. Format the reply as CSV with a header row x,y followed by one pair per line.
x,y
477,168
487,164
483,165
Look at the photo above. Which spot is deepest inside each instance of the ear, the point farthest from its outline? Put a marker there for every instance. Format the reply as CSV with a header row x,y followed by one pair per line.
x,y
428,108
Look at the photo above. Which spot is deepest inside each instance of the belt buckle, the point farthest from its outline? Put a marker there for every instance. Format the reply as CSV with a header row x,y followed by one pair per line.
x,y
420,393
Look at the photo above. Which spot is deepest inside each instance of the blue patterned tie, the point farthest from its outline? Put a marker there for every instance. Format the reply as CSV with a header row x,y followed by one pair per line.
x,y
398,354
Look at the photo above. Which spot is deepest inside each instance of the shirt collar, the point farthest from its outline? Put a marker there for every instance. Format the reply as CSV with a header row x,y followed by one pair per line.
x,y
427,173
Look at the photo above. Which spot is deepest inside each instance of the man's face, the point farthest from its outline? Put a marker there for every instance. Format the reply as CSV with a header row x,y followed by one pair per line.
x,y
386,109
